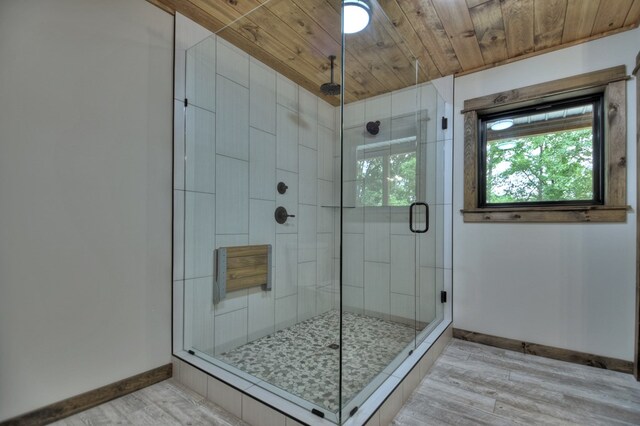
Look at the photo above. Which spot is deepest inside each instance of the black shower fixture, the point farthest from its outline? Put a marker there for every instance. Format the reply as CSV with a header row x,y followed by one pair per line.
x,y
332,88
373,127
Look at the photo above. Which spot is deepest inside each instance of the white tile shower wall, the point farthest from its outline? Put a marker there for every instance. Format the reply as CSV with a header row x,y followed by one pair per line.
x,y
248,128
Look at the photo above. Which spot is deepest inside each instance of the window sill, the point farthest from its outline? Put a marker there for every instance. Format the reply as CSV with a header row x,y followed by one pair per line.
x,y
551,214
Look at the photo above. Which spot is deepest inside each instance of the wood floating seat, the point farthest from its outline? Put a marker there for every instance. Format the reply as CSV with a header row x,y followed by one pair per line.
x,y
241,267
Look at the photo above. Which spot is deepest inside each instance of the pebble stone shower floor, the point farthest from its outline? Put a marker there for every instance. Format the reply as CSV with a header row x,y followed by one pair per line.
x,y
304,359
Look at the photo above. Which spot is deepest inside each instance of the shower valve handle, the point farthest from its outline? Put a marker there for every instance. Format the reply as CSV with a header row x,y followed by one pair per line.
x,y
281,215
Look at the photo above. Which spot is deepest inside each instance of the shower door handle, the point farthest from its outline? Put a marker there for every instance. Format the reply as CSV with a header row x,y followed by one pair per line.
x,y
411,207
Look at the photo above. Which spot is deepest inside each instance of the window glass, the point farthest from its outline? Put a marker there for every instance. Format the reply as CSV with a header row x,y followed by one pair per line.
x,y
547,154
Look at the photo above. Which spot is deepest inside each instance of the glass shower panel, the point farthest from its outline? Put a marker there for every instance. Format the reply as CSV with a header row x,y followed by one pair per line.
x,y
431,259
259,143
381,163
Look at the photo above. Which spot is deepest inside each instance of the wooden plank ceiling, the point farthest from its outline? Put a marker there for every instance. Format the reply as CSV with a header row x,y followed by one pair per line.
x,y
296,37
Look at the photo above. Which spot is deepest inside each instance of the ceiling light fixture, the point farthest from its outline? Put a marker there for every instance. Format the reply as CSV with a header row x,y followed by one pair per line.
x,y
502,124
357,15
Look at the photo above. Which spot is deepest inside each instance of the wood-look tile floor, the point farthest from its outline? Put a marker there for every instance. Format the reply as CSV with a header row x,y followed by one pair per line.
x,y
470,384
165,403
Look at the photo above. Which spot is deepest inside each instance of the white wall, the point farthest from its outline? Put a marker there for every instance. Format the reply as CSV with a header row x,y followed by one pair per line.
x,y
85,199
248,128
565,285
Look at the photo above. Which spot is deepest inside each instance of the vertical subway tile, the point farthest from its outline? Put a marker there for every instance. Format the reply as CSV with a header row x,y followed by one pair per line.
x,y
308,119
231,330
199,233
200,155
178,144
286,279
403,263
306,233
287,139
376,288
232,192
261,312
201,74
262,165
353,259
262,97
232,119
287,93
326,114
286,311
232,63
306,290
178,235
262,226
308,175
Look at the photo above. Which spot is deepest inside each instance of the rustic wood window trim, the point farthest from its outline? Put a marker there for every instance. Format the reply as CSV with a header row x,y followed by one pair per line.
x,y
611,82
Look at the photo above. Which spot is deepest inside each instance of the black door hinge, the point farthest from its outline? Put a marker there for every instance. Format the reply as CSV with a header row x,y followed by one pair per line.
x,y
191,352
445,123
317,413
352,412
186,102
443,297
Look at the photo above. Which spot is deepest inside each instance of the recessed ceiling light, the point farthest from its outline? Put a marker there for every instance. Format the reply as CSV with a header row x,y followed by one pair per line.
x,y
357,14
502,124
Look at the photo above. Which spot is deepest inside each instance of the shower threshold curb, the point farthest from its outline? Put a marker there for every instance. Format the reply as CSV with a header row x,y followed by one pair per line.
x,y
378,409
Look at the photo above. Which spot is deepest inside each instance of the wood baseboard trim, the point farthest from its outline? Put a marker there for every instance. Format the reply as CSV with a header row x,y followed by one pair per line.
x,y
84,401
546,351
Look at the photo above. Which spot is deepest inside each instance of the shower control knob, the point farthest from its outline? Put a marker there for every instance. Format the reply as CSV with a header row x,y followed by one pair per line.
x,y
282,187
282,215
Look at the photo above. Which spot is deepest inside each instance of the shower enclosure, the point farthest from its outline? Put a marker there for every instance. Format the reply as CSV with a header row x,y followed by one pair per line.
x,y
311,230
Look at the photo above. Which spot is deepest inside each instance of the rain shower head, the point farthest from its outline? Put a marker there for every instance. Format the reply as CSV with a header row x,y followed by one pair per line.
x,y
331,88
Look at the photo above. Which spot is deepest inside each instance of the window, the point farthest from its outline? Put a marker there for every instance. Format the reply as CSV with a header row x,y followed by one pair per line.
x,y
384,167
387,173
551,152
